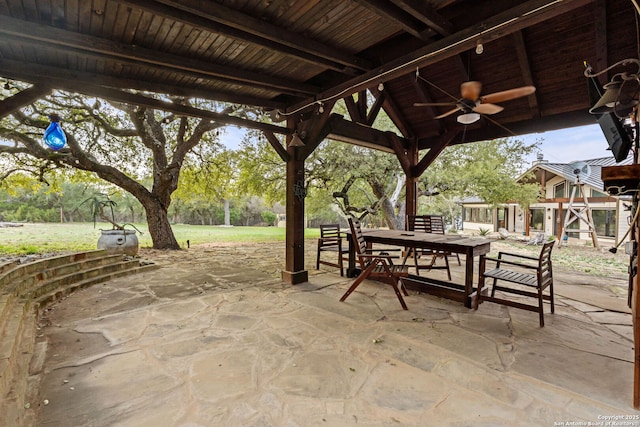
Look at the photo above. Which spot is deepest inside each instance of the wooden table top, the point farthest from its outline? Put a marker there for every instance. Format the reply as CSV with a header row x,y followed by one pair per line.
x,y
449,242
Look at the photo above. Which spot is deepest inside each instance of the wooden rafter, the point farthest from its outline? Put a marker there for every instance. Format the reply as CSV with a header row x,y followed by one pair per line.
x,y
401,152
425,97
353,110
316,130
258,31
500,25
525,70
364,136
422,11
375,108
393,111
185,110
600,28
277,145
407,22
434,152
102,49
59,77
522,127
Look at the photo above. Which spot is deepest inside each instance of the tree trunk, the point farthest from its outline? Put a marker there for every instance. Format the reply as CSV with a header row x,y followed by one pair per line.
x,y
388,206
159,226
227,214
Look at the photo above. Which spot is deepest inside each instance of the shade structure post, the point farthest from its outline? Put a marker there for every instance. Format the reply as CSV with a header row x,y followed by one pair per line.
x,y
294,271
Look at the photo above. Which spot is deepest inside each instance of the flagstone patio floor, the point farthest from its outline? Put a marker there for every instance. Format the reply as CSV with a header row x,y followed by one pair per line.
x,y
215,338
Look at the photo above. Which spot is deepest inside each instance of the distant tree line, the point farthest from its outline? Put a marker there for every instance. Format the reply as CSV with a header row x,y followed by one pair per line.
x,y
34,202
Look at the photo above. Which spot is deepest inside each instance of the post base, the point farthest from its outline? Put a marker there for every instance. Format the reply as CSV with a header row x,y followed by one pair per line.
x,y
295,277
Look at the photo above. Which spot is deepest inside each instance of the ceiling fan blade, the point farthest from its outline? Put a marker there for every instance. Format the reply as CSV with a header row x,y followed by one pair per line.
x,y
471,90
448,113
433,104
507,95
488,108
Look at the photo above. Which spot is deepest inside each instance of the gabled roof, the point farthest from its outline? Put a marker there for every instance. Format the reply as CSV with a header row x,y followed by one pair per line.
x,y
565,170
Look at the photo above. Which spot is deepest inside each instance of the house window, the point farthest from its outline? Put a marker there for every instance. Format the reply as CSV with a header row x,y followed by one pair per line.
x,y
605,222
596,193
578,192
479,215
537,219
558,190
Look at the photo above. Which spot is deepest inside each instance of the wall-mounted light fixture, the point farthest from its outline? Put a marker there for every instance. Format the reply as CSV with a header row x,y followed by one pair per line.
x,y
621,93
296,141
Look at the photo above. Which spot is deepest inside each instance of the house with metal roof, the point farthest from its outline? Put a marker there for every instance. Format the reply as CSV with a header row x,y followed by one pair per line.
x,y
610,214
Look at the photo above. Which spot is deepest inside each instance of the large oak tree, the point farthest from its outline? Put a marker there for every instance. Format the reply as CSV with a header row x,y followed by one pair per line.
x,y
123,144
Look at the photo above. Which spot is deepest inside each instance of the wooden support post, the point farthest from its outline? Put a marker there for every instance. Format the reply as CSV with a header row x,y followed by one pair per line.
x,y
294,272
559,222
634,288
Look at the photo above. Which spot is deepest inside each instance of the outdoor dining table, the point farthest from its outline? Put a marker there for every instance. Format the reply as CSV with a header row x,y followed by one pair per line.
x,y
470,247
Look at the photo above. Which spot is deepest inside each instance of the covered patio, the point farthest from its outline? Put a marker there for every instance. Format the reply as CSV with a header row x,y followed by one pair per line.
x,y
199,343
296,59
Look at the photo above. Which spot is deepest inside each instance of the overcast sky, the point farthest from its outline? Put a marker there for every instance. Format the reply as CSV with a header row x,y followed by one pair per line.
x,y
567,145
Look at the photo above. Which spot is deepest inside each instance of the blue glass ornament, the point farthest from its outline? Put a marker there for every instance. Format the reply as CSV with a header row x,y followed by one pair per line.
x,y
54,136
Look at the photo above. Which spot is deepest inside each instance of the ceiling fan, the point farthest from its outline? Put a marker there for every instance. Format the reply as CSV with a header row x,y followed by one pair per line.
x,y
472,104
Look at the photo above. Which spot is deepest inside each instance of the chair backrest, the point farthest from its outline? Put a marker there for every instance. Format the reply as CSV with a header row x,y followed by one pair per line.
x,y
358,240
426,223
545,271
437,224
330,233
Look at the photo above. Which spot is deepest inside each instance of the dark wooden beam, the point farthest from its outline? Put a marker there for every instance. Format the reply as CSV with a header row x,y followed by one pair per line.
x,y
375,108
401,152
425,97
394,112
525,70
364,136
523,127
258,31
389,11
277,145
434,152
20,99
315,130
353,110
34,73
500,25
362,105
185,110
103,49
600,29
422,11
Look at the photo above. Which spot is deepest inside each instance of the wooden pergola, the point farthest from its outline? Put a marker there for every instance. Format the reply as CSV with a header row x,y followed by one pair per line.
x,y
296,58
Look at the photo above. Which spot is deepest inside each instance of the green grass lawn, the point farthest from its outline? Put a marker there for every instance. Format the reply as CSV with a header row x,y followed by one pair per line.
x,y
34,238
68,237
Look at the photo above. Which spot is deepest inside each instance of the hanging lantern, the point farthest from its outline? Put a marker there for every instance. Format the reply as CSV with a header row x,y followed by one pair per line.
x,y
54,136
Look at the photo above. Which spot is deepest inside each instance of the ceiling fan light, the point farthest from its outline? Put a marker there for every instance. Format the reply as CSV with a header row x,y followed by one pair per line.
x,y
468,118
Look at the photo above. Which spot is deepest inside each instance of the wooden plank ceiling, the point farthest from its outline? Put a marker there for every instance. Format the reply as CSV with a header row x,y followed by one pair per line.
x,y
287,54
